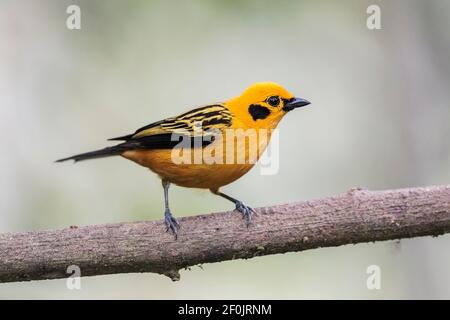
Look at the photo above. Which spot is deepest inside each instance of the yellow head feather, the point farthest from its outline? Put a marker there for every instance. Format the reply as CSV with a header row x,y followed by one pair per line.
x,y
253,109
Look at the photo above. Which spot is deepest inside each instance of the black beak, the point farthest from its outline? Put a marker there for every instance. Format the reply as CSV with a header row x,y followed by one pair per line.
x,y
295,103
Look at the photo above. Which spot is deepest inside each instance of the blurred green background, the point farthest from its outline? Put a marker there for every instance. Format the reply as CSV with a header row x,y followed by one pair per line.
x,y
379,119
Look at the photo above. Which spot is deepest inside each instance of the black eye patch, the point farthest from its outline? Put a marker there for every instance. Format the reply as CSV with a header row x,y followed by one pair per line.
x,y
258,112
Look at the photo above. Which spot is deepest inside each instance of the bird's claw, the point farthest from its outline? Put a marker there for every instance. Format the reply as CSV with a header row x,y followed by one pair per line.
x,y
246,211
171,223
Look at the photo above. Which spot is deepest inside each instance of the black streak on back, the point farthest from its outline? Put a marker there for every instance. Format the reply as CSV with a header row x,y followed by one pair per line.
x,y
258,112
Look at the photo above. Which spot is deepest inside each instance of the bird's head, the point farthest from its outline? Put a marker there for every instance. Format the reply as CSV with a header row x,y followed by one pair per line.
x,y
263,104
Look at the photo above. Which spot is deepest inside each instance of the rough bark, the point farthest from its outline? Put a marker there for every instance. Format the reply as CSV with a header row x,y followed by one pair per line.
x,y
354,217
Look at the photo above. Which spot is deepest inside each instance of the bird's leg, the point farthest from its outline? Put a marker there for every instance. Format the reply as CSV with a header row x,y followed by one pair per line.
x,y
171,224
246,211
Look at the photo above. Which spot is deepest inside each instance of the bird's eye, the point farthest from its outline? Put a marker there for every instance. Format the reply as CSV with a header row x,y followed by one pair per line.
x,y
273,101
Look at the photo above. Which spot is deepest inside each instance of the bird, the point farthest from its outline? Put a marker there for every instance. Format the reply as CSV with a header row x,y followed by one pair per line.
x,y
260,107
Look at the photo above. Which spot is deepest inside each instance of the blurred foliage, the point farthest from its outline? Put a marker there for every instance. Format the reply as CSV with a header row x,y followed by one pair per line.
x,y
379,119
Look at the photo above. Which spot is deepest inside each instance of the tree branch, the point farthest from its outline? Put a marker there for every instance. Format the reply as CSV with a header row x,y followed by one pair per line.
x,y
357,216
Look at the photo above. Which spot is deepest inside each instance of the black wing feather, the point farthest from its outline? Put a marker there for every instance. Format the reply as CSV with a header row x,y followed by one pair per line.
x,y
164,141
165,135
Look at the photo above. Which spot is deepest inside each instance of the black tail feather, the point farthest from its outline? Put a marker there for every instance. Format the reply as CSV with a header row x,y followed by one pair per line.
x,y
122,138
157,141
102,153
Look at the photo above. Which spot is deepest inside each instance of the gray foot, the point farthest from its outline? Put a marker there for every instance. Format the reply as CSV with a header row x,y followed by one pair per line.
x,y
246,211
171,223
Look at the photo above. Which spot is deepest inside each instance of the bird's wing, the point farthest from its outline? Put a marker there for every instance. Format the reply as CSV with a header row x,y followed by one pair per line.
x,y
195,124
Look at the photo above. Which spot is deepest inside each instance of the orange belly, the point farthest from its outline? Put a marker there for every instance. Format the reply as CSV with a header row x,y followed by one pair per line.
x,y
207,176
201,172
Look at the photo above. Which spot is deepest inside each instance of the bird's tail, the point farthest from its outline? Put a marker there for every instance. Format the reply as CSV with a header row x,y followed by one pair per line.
x,y
102,153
